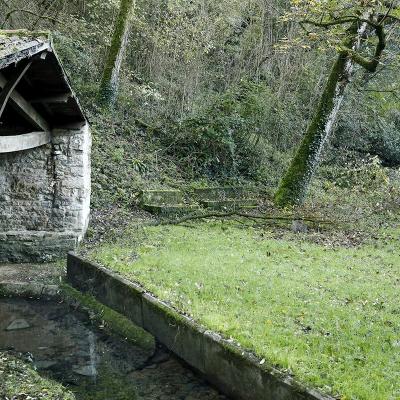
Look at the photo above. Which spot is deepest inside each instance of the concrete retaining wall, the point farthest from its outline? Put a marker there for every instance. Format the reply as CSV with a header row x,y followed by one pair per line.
x,y
235,372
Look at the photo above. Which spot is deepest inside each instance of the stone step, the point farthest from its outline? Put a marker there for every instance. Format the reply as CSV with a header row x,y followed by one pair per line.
x,y
161,197
221,193
175,209
230,204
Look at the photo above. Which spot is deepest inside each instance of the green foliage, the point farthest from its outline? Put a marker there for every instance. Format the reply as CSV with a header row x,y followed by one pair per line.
x,y
115,156
385,142
205,91
361,196
372,129
335,17
228,137
367,175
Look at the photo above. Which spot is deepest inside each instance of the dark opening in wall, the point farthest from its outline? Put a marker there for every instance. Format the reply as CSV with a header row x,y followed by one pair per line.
x,y
12,123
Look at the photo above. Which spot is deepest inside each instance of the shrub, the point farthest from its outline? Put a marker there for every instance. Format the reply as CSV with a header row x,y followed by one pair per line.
x,y
228,137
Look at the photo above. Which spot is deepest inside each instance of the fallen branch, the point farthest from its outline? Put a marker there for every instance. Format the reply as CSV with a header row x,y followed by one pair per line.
x,y
255,217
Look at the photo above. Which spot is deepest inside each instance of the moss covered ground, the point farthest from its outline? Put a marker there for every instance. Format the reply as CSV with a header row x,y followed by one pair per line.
x,y
18,380
329,315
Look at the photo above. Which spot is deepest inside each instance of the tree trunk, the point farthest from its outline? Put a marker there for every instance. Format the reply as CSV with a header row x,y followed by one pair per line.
x,y
294,186
109,83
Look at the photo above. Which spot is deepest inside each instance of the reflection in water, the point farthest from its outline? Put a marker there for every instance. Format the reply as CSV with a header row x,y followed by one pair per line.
x,y
67,347
92,355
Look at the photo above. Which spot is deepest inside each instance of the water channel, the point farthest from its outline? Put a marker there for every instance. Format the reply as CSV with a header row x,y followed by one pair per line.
x,y
65,345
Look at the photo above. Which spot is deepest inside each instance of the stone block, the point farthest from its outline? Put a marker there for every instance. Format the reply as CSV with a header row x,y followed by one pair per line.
x,y
221,193
170,209
162,197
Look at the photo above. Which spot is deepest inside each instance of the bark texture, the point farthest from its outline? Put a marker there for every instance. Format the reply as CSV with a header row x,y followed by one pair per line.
x,y
293,187
110,79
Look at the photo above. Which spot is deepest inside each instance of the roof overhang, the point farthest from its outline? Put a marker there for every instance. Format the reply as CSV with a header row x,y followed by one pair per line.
x,y
34,81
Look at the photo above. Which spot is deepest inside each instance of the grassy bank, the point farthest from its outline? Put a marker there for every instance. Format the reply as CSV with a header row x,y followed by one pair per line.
x,y
18,380
330,316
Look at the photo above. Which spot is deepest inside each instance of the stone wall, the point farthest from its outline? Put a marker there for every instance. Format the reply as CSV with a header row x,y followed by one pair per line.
x,y
45,197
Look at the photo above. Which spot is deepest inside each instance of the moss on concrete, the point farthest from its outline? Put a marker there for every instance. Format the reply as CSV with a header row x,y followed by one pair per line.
x,y
113,321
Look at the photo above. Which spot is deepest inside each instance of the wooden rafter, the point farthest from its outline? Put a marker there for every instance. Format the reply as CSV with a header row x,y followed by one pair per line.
x,y
61,98
10,86
25,108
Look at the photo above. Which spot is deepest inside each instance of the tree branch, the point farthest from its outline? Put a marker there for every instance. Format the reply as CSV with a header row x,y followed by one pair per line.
x,y
327,24
391,16
340,21
392,92
389,10
370,65
11,12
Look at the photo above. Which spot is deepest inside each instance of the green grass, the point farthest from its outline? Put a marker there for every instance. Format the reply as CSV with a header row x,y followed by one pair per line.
x,y
330,316
18,380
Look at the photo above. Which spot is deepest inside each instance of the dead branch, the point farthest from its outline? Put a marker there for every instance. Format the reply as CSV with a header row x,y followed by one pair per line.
x,y
254,217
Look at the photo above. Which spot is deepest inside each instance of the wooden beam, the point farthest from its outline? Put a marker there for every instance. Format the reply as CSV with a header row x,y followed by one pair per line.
x,y
71,126
25,108
9,144
61,98
10,86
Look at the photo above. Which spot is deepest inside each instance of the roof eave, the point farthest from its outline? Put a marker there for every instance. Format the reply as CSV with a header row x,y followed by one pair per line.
x,y
28,51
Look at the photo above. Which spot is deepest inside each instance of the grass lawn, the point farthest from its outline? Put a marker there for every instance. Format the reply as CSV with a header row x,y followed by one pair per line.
x,y
329,316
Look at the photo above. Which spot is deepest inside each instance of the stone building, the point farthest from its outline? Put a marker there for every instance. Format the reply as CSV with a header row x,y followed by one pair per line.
x,y
44,153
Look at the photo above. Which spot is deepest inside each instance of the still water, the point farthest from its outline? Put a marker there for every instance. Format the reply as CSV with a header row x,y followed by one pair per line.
x,y
64,344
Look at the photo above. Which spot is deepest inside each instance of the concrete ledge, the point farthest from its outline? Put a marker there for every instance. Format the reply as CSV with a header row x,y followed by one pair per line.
x,y
234,371
9,144
29,290
35,246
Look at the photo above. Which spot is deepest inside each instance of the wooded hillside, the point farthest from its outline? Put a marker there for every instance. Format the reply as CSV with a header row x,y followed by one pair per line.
x,y
216,90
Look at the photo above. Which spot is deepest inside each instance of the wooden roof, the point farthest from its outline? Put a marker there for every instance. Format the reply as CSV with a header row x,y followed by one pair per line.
x,y
18,45
36,81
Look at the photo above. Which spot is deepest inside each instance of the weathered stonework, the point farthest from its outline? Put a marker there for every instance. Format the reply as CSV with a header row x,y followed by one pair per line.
x,y
45,197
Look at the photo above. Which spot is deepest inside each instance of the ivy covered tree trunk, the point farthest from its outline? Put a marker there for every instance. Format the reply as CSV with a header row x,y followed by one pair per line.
x,y
109,83
294,185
